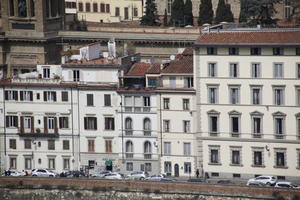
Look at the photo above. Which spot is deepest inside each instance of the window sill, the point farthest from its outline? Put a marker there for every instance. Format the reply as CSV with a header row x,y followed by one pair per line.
x,y
214,164
280,167
236,165
258,166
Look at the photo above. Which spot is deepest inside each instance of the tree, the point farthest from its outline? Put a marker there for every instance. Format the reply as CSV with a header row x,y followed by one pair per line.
x,y
223,12
206,12
260,11
188,13
177,14
296,10
243,10
150,17
165,18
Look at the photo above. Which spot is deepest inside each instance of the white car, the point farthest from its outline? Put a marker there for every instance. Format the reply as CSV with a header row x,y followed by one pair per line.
x,y
156,177
16,173
285,184
138,175
113,175
265,180
101,174
42,172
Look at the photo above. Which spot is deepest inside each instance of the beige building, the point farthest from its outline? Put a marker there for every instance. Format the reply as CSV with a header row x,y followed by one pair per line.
x,y
110,10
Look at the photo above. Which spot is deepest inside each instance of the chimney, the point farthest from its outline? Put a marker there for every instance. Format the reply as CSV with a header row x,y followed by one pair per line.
x,y
112,47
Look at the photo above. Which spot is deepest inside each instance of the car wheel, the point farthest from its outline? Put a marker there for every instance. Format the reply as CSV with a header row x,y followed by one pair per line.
x,y
268,184
34,175
142,178
51,176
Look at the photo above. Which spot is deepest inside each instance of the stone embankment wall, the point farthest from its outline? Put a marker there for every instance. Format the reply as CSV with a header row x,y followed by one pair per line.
x,y
75,189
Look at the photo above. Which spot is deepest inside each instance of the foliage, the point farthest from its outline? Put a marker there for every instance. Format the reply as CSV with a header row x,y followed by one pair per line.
x,y
296,10
188,13
150,16
177,14
165,18
243,10
206,12
223,12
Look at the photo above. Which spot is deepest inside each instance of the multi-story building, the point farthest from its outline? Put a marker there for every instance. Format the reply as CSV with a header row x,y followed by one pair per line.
x,y
248,98
109,11
177,114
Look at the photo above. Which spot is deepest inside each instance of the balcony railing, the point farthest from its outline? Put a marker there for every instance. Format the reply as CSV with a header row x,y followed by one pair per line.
x,y
129,155
147,133
257,135
147,156
38,133
279,136
235,134
137,109
213,134
128,132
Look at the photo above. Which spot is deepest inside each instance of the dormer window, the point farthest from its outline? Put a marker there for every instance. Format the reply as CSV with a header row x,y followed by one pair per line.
x,y
46,72
212,51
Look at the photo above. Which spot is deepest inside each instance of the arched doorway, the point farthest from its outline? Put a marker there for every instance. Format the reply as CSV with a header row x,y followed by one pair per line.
x,y
176,170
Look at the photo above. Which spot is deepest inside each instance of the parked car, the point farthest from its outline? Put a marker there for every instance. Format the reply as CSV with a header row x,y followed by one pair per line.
x,y
256,184
113,175
138,175
43,172
225,182
285,184
15,173
156,177
265,180
73,173
101,174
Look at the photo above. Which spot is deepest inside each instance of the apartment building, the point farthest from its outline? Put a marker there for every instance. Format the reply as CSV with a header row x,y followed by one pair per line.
x,y
248,96
110,10
177,114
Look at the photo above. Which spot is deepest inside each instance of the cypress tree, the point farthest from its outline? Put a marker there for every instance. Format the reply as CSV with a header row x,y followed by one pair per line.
x,y
177,13
150,17
165,18
188,13
243,10
206,12
220,12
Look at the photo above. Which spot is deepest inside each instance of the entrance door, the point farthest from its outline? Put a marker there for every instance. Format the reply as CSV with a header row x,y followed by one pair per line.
x,y
176,170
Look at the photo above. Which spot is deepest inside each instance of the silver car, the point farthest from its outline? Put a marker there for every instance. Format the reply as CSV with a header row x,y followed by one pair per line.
x,y
43,173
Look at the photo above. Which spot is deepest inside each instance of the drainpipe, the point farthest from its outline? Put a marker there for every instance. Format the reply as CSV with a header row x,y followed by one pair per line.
x,y
4,122
122,129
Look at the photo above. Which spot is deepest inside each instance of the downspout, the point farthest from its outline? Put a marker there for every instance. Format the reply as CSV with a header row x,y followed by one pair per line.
x,y
72,115
122,129
4,120
78,122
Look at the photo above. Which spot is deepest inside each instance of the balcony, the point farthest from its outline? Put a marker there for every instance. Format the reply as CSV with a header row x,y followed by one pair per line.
x,y
128,132
147,133
38,133
137,109
37,80
147,156
129,155
213,134
257,135
279,136
235,134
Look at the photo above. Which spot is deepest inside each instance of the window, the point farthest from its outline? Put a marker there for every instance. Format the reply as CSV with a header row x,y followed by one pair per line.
x,y
234,95
27,163
46,72
147,150
212,94
129,149
298,158
76,75
235,125
279,125
51,123
64,96
107,100
117,11
152,82
298,69
288,10
255,70
187,168
280,157
258,157
212,69
91,164
95,7
168,167
212,51
213,125
166,103
233,70
26,96
126,14
297,51
172,82
135,12
129,166
12,144
147,102
298,126
186,126
169,6
166,125
187,149
255,51
147,126
256,95
66,163
66,145
167,148
109,123
278,95
11,8
12,163
49,96
148,167
235,155
277,51
80,7
128,123
51,163
188,82
278,70
186,104
108,146
22,8
27,122
107,8
257,125
102,7
87,7
214,154
233,51
89,99
63,122
91,145
11,121
27,144
11,95
90,123
51,145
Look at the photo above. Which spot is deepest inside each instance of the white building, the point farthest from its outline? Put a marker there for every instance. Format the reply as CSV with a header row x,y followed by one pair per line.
x,y
248,98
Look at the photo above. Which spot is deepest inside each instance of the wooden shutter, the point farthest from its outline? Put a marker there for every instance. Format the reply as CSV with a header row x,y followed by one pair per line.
x,y
22,125
54,96
7,121
32,124
16,121
6,95
55,125
45,96
95,123
16,95
45,125
113,123
60,122
85,123
106,123
21,95
31,95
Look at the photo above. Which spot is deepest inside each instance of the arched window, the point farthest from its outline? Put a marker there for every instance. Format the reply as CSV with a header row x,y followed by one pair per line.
x,y
147,124
128,123
147,147
129,147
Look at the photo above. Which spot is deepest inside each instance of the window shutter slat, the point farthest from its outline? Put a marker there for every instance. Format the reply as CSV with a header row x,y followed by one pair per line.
x,y
7,121
85,123
21,95
22,124
54,96
95,123
31,96
55,125
45,96
6,95
45,125
32,124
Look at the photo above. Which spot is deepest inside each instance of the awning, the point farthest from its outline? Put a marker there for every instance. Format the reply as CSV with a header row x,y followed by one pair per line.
x,y
108,162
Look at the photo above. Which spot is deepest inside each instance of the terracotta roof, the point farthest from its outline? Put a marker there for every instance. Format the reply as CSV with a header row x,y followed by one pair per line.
x,y
99,61
138,69
154,69
282,37
188,51
183,65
